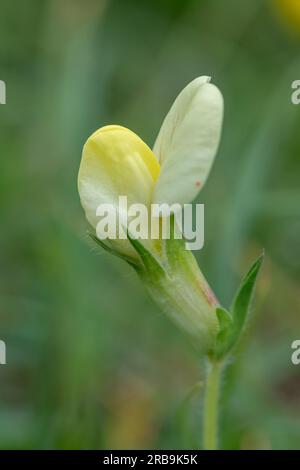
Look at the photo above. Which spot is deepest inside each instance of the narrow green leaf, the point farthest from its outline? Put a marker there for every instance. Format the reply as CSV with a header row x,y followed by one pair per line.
x,y
242,301
232,325
151,263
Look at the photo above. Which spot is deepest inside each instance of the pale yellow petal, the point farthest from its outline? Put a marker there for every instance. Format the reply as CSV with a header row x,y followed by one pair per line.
x,y
115,162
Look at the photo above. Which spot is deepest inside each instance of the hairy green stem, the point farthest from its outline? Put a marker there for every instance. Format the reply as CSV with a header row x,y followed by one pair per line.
x,y
211,399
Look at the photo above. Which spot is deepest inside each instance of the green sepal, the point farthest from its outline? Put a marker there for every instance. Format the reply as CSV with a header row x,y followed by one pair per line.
x,y
231,324
223,336
110,250
151,264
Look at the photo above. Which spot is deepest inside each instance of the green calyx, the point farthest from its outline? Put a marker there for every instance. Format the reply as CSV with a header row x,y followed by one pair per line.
x,y
175,282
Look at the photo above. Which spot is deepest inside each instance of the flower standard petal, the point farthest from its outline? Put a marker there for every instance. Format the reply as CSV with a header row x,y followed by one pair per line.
x,y
187,142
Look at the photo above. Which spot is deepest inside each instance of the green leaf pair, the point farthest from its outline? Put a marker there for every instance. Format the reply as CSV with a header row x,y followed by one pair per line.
x,y
232,323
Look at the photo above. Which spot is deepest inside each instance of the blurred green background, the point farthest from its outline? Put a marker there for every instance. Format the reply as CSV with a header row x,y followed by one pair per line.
x,y
91,362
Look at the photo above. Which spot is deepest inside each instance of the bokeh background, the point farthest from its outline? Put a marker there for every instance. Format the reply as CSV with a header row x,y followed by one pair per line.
x,y
91,362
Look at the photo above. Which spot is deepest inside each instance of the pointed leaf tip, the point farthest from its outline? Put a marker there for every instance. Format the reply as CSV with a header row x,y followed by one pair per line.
x,y
232,324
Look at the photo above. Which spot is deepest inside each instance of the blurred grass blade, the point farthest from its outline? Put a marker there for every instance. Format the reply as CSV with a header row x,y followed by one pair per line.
x,y
150,262
241,305
242,300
